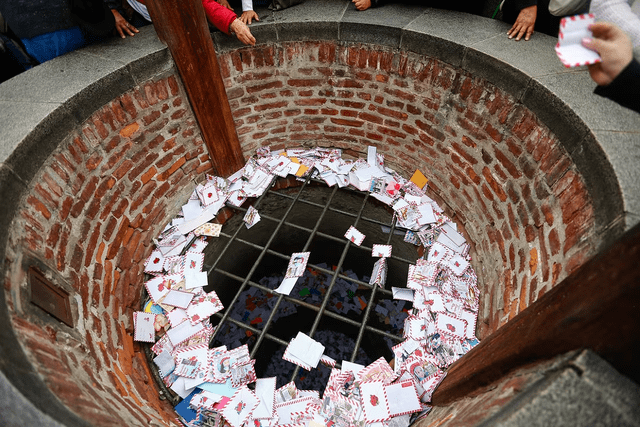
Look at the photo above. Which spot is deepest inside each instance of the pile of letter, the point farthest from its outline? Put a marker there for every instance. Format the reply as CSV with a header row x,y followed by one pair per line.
x,y
219,385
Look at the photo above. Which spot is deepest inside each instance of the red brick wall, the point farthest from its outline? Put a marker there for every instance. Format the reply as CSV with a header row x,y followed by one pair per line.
x,y
499,172
114,183
90,217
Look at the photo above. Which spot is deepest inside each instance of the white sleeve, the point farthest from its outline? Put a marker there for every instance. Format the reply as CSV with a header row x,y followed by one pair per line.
x,y
247,5
619,12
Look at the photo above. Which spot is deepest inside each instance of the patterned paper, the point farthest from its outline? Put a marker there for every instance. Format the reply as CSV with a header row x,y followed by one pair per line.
x,y
374,402
203,306
355,236
569,47
208,229
143,326
383,251
239,408
451,325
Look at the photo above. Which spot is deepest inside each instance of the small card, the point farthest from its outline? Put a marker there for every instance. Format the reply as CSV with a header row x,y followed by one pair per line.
x,y
377,371
379,274
402,294
183,332
252,217
208,229
383,251
154,263
157,288
305,349
208,194
286,286
193,261
451,325
195,279
240,407
421,367
205,400
374,402
569,47
354,235
243,373
297,264
177,299
458,264
191,361
266,392
203,306
419,179
143,326
403,398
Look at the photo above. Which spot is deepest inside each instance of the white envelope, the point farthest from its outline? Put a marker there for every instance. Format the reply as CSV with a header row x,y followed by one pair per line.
x,y
195,279
403,398
178,298
305,348
183,332
266,392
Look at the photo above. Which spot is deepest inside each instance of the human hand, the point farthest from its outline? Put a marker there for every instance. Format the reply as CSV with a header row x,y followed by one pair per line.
x,y
122,26
524,24
362,4
225,3
248,15
615,49
242,32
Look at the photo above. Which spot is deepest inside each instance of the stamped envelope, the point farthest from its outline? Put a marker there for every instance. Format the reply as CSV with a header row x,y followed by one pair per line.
x,y
355,236
374,402
143,326
383,251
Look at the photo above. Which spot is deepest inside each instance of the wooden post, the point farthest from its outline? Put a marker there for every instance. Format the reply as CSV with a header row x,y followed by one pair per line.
x,y
596,307
182,25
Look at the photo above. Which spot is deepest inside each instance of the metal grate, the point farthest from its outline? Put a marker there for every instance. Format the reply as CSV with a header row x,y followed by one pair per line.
x,y
303,199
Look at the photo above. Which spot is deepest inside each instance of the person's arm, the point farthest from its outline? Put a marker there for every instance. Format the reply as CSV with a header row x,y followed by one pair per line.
x,y
225,20
617,74
526,20
218,15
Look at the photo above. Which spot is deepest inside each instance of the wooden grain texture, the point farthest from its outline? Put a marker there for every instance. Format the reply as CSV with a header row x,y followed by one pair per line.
x,y
182,25
596,307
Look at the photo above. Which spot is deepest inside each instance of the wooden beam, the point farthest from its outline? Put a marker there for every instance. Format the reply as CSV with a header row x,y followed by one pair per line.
x,y
596,307
182,25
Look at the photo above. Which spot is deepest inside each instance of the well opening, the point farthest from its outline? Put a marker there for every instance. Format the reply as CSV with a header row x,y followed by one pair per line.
x,y
245,265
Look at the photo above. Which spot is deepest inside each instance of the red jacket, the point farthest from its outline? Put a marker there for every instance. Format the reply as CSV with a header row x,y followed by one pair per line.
x,y
218,15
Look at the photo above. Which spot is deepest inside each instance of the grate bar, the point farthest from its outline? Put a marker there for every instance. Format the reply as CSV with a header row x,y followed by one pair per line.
x,y
257,262
306,246
310,307
252,329
367,312
340,211
324,270
325,301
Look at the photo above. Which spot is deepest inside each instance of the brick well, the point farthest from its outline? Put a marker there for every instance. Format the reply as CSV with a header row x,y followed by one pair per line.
x,y
88,216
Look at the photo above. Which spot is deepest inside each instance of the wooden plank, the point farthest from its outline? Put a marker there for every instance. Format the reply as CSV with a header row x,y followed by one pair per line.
x,y
182,25
596,307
